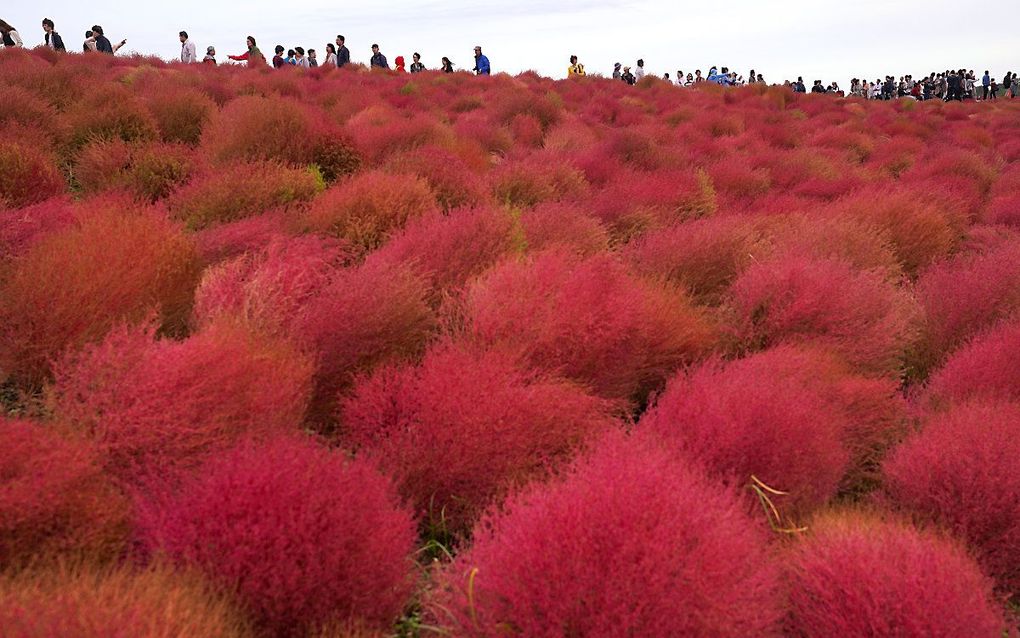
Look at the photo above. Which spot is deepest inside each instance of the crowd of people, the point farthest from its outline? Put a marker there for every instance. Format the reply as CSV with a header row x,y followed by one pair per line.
x,y
337,54
948,85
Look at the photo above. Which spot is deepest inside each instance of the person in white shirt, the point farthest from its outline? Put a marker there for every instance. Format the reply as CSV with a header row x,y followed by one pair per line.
x,y
640,72
300,59
189,54
330,55
10,36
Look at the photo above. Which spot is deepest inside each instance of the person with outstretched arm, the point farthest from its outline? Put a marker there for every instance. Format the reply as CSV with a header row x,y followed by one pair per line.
x,y
189,53
252,56
53,39
481,63
101,43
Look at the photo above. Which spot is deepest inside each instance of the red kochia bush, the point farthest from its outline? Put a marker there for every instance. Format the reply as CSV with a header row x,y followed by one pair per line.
x,y
366,208
263,128
161,408
27,176
857,577
984,368
795,299
631,543
960,471
965,295
242,190
589,319
88,603
451,250
460,429
54,499
304,536
563,226
21,228
266,289
118,264
776,416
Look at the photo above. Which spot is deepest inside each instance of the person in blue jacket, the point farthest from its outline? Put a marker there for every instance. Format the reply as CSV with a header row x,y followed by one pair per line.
x,y
481,63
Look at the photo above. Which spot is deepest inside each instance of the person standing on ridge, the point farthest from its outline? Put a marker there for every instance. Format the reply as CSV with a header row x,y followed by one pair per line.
x,y
617,73
313,60
252,56
53,39
378,60
102,43
575,68
640,73
189,54
210,56
417,66
300,59
278,61
399,64
330,55
481,63
10,36
447,65
343,54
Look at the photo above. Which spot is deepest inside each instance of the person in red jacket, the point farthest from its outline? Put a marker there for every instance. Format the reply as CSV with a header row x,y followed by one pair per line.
x,y
399,61
252,56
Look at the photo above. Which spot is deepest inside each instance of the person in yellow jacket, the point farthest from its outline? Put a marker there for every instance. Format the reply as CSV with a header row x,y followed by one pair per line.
x,y
575,67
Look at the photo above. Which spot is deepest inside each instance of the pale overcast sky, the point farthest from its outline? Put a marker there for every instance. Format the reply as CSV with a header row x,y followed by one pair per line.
x,y
823,39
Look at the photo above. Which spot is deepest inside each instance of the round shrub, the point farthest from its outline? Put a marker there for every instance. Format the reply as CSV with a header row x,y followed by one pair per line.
x,y
180,112
631,542
454,182
525,184
111,113
27,176
959,472
774,416
149,172
303,536
21,228
632,202
243,190
451,250
984,368
563,227
155,603
459,430
160,408
55,501
589,320
854,576
858,314
118,264
251,128
369,206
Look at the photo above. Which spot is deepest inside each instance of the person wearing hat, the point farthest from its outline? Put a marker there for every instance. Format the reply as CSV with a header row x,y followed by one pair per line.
x,y
481,63
210,56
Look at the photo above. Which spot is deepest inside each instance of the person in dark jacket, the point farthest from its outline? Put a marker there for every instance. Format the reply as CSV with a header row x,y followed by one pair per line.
x,y
53,39
417,66
447,65
343,55
103,44
481,63
278,61
378,59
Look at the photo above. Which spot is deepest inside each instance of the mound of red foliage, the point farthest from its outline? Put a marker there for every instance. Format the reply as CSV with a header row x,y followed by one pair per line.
x,y
305,537
795,419
459,430
117,264
852,575
159,408
856,313
27,176
55,500
984,368
588,319
98,603
630,542
959,471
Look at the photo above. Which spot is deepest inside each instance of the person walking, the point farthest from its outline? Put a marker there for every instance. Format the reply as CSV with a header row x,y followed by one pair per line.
x,y
53,39
278,61
378,60
252,56
343,55
617,72
447,65
640,72
313,59
189,54
628,77
102,43
299,58
9,35
575,68
90,42
330,55
481,63
210,56
398,63
416,66
986,81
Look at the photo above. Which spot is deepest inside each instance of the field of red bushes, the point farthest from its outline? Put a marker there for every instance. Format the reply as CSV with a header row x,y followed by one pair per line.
x,y
358,354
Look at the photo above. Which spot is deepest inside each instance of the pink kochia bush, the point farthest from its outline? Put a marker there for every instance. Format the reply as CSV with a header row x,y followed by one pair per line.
x,y
588,319
777,416
855,576
305,537
55,500
160,408
960,471
461,429
987,367
858,314
632,542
